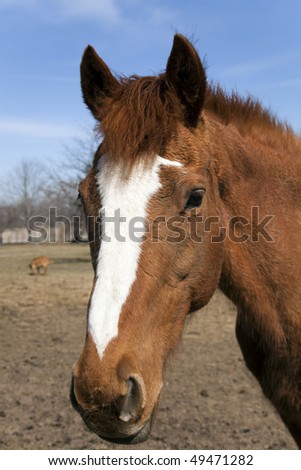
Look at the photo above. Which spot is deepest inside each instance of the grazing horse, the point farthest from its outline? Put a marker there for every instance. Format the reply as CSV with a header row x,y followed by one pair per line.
x,y
191,189
39,265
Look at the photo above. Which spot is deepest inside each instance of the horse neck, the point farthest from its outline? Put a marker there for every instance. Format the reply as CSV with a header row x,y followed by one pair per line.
x,y
259,275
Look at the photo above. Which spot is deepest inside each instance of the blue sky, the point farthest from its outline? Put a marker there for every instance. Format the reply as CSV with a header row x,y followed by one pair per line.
x,y
252,46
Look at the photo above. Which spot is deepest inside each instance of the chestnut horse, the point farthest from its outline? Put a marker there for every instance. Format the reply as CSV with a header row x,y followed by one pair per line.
x,y
205,188
39,265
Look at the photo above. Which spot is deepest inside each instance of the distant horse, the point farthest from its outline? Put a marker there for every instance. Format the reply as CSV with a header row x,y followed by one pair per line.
x,y
205,191
39,265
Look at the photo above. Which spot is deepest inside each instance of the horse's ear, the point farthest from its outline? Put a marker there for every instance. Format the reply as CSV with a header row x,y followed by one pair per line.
x,y
186,75
97,81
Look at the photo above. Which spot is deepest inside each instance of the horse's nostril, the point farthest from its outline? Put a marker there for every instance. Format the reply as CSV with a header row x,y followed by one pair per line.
x,y
134,402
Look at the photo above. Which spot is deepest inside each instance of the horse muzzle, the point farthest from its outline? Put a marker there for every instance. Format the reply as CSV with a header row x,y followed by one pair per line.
x,y
120,421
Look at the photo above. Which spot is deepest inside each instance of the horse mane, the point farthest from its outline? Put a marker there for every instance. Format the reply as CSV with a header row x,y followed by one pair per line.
x,y
250,117
142,115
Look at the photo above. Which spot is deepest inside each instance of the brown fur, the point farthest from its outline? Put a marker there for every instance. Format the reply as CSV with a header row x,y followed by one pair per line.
x,y
144,100
244,158
145,104
250,117
39,265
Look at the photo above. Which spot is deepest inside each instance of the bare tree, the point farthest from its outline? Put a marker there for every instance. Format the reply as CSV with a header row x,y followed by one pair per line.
x,y
23,190
32,188
65,178
79,155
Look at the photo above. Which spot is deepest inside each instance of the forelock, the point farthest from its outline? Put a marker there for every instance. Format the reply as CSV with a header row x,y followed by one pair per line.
x,y
140,119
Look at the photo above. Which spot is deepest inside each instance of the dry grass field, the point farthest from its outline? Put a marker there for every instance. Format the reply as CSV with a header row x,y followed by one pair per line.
x,y
210,401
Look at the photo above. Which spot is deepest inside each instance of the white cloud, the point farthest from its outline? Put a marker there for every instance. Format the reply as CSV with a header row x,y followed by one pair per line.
x,y
106,10
99,9
46,78
290,83
18,3
29,128
258,65
110,12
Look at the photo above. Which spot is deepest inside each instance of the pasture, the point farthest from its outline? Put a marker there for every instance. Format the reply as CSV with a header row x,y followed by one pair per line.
x,y
210,400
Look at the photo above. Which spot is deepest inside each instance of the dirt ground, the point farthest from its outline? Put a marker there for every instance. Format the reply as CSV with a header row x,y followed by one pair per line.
x,y
210,401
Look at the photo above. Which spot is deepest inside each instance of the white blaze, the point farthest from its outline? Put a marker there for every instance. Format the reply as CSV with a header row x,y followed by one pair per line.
x,y
117,259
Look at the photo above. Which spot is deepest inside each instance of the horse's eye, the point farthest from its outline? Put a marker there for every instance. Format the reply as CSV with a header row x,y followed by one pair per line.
x,y
195,199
